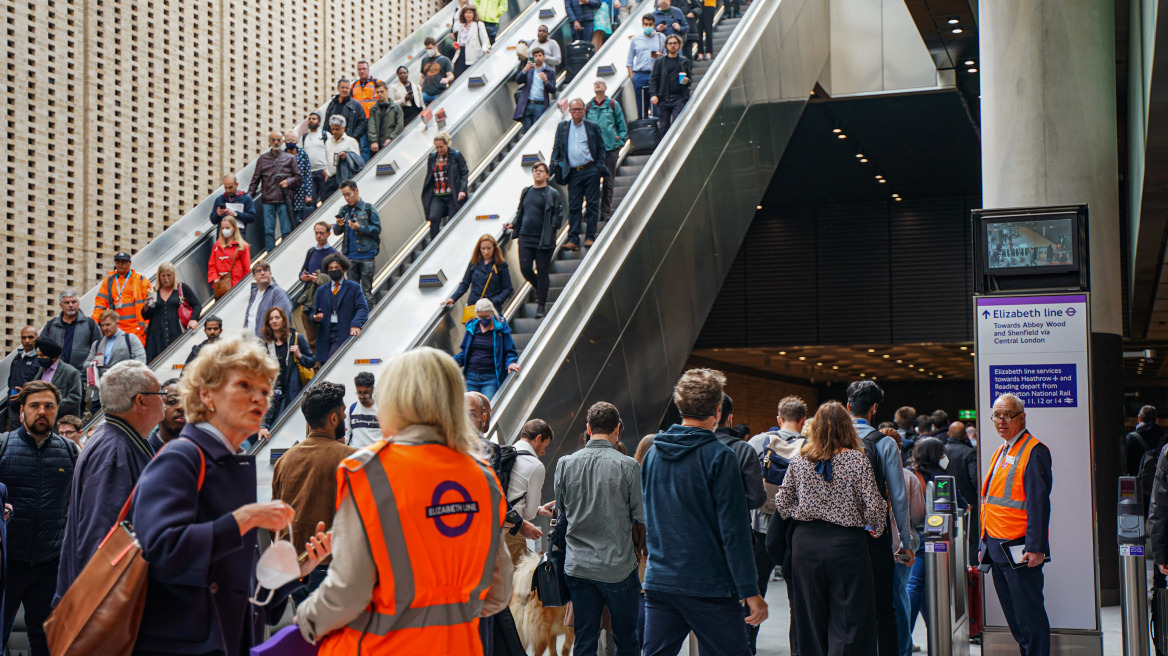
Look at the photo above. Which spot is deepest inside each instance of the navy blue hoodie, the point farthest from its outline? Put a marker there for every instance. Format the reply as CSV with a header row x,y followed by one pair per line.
x,y
695,510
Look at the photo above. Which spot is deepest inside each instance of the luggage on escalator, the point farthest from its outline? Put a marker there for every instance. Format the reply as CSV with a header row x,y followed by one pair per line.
x,y
576,54
645,135
974,588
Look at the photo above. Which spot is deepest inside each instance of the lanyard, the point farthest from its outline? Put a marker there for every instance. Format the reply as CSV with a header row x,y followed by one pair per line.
x,y
124,283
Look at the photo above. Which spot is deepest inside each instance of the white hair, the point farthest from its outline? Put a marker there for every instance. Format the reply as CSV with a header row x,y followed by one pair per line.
x,y
1019,406
68,293
485,305
337,119
123,383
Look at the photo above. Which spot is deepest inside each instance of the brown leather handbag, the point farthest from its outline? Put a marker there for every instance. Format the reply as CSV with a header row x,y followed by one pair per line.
x,y
102,611
223,284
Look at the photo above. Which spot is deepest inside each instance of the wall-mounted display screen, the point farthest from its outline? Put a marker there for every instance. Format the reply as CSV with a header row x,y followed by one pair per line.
x,y
1027,243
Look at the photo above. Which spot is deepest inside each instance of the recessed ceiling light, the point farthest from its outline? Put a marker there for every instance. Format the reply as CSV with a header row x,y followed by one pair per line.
x,y
898,199
953,21
886,356
759,207
837,129
899,361
835,366
782,352
819,364
802,357
957,30
940,376
871,350
879,176
882,181
863,375
841,135
972,353
969,62
973,70
964,348
863,160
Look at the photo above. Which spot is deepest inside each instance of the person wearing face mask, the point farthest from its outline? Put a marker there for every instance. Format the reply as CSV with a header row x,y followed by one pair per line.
x,y
196,516
340,309
276,172
303,202
233,202
437,72
61,374
230,256
305,477
646,46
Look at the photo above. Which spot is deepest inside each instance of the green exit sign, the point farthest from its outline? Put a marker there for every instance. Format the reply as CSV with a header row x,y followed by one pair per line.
x,y
967,414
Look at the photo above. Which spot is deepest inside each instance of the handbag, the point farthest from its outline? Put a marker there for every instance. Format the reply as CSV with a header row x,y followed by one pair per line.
x,y
185,311
468,312
306,373
101,611
223,284
549,581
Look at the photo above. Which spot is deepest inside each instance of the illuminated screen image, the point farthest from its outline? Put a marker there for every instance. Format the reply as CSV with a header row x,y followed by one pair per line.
x,y
1038,243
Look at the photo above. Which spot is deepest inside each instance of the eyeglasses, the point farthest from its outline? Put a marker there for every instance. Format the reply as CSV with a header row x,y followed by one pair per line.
x,y
162,394
1001,419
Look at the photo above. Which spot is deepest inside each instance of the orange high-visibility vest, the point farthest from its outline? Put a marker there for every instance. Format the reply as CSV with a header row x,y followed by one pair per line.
x,y
366,94
135,289
1003,495
433,518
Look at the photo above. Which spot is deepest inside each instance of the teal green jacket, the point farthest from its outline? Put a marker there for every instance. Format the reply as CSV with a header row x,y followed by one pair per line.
x,y
611,119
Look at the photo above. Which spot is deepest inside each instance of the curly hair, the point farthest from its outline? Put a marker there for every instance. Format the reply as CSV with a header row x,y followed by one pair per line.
x,y
210,370
698,393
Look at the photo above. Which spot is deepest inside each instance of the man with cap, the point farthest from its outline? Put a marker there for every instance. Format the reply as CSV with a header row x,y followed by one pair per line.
x,y
125,291
64,376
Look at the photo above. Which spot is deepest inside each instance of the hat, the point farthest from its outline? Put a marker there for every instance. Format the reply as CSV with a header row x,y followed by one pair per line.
x,y
122,256
48,347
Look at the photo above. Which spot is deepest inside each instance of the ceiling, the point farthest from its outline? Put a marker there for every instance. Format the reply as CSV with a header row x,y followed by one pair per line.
x,y
903,362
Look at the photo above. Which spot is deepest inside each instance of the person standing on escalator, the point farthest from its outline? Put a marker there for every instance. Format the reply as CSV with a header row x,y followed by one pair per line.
x,y
578,161
537,225
607,113
670,83
360,227
446,184
275,171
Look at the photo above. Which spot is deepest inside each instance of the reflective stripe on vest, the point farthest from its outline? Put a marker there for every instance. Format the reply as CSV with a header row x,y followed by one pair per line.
x,y
1007,501
393,542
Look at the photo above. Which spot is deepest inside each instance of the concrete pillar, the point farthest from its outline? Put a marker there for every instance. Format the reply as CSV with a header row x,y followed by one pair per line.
x,y
1049,138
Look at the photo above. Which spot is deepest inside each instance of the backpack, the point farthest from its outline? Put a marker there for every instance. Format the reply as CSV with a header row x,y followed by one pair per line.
x,y
774,468
870,439
502,460
1147,470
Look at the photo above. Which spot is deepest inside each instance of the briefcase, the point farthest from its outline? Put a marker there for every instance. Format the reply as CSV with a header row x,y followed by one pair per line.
x,y
548,581
645,135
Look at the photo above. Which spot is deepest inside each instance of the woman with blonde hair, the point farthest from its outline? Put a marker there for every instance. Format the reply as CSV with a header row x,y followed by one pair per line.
x,y
230,257
166,309
417,525
487,276
195,513
830,491
290,349
488,352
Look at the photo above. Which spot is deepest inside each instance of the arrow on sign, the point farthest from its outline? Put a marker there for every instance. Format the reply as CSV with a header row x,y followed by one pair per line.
x,y
985,314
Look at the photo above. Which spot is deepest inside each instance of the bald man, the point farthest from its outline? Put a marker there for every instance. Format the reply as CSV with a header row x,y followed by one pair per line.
x,y
24,368
233,203
277,175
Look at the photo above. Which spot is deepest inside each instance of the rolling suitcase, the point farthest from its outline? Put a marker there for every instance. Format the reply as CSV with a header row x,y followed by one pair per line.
x,y
973,581
645,135
576,54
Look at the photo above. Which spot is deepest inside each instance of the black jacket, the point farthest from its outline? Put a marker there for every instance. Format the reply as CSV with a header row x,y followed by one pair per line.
x,y
478,275
553,217
1153,437
457,176
748,466
84,335
356,124
39,481
560,166
963,468
658,82
1158,512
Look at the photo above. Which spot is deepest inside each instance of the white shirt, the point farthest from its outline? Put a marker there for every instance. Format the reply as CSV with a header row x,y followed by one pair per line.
x,y
363,427
314,147
527,476
252,319
332,147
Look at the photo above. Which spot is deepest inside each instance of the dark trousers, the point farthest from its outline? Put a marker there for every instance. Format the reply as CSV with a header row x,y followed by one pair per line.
x,y
640,83
34,587
583,185
588,601
529,253
531,114
883,575
362,272
668,111
585,31
763,566
833,593
328,187
733,8
317,187
441,207
499,635
706,32
717,622
311,582
610,159
1020,593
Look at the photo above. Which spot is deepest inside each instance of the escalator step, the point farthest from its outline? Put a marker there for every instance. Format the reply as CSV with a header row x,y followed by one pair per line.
x,y
624,181
630,170
559,279
524,325
554,294
637,160
566,254
520,340
565,266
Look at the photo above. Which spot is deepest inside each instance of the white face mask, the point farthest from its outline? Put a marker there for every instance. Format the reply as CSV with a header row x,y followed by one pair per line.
x,y
431,51
227,232
944,462
277,567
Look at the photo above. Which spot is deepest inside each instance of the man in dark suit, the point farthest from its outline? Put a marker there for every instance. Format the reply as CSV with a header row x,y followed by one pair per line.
x,y
340,309
578,161
53,369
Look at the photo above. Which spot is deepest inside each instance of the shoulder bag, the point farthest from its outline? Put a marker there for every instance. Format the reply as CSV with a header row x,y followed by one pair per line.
x,y
468,312
185,311
223,284
306,373
548,581
101,611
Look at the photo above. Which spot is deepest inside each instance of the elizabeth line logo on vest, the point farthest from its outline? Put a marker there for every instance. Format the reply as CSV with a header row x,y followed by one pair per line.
x,y
452,509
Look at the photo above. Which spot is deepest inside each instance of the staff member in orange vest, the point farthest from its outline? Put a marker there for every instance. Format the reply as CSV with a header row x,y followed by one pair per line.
x,y
124,291
417,529
1015,506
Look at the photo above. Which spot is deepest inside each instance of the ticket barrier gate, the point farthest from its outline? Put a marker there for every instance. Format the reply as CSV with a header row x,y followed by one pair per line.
x,y
1133,573
945,595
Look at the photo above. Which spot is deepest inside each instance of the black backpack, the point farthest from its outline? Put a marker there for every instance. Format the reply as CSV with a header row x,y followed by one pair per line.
x,y
503,461
870,439
1147,470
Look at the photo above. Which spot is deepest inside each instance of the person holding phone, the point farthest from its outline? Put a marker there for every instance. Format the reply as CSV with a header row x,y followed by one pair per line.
x,y
645,48
537,86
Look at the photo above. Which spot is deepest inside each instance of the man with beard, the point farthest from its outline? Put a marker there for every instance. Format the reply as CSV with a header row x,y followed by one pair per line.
x,y
275,171
37,466
212,328
305,476
173,416
113,460
312,143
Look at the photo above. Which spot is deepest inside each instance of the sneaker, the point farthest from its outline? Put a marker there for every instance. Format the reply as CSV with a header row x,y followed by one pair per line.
x,y
540,311
917,648
570,246
587,243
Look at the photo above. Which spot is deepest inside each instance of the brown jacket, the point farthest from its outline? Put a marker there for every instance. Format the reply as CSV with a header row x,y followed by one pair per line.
x,y
267,167
306,479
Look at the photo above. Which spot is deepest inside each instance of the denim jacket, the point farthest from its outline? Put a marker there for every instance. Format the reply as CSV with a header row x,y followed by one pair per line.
x,y
368,230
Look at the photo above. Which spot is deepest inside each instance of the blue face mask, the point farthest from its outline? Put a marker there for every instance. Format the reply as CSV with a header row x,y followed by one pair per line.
x,y
648,31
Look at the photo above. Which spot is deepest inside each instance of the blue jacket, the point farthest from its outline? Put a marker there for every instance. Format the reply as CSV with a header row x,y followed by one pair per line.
x,y
504,347
351,165
368,232
476,276
525,79
579,12
675,15
560,167
352,311
39,481
890,460
695,515
202,571
243,218
107,471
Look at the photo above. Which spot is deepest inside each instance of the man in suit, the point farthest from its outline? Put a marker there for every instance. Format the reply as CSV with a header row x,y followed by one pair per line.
x,y
537,86
578,161
1020,473
340,309
53,369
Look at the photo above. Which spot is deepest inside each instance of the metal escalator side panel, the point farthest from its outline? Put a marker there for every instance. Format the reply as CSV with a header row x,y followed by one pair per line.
x,y
624,326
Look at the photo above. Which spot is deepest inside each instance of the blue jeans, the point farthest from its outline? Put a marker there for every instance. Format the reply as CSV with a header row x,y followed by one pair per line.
x,y
717,622
427,98
486,384
366,153
531,114
900,575
916,588
588,601
271,212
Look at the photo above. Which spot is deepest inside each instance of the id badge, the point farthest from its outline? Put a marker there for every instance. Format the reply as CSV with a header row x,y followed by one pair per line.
x,y
1009,459
334,318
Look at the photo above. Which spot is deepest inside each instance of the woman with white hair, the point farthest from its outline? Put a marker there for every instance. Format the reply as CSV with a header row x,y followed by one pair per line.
x,y
417,528
172,310
488,353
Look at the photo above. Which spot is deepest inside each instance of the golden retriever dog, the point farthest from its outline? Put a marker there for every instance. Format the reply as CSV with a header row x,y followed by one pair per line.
x,y
538,626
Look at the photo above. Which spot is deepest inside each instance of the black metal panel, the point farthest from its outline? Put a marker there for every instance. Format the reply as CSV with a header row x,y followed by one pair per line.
x,y
852,243
930,271
780,280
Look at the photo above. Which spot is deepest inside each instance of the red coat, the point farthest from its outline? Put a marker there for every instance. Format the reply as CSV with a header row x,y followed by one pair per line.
x,y
220,261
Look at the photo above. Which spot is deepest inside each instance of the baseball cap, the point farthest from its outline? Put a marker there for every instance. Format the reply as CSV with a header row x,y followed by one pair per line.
x,y
122,256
